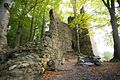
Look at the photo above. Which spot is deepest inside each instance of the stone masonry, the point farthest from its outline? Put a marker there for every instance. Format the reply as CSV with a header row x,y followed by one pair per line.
x,y
84,40
34,58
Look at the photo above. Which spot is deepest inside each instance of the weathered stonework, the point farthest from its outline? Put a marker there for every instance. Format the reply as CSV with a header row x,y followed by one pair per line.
x,y
35,57
85,42
59,40
28,64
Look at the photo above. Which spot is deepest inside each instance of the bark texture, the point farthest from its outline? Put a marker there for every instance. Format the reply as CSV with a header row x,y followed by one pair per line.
x,y
4,19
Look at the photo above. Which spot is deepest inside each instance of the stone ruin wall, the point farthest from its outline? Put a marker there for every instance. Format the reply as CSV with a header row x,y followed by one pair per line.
x,y
31,60
58,40
85,43
84,40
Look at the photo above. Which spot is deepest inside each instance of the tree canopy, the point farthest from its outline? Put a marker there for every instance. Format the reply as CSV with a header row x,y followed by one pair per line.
x,y
29,19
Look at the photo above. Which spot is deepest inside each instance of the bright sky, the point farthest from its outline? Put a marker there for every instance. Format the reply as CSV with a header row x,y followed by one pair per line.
x,y
101,42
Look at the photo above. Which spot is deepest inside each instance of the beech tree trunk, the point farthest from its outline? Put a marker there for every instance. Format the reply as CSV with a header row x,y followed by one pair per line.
x,y
111,9
4,19
115,31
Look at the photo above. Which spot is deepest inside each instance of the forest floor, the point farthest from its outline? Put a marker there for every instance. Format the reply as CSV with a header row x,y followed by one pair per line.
x,y
71,71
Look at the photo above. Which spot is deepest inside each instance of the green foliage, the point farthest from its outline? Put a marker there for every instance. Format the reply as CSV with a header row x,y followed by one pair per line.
x,y
21,15
106,56
23,8
100,14
1,2
83,20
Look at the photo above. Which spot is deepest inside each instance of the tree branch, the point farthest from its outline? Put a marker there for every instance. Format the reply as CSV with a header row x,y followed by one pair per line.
x,y
32,6
106,4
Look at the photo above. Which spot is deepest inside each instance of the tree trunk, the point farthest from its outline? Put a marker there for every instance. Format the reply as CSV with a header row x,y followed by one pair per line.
x,y
18,32
21,21
111,9
32,25
31,28
115,31
4,19
34,31
77,30
43,24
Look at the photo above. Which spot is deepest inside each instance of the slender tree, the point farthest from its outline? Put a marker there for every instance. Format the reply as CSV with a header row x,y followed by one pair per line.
x,y
21,21
43,24
76,26
19,31
32,25
110,4
5,6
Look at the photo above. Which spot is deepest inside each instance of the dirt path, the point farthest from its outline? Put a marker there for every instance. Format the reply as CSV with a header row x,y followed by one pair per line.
x,y
71,71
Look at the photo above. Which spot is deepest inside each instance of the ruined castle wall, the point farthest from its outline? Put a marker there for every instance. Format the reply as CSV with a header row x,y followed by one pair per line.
x,y
85,43
84,40
32,59
59,41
